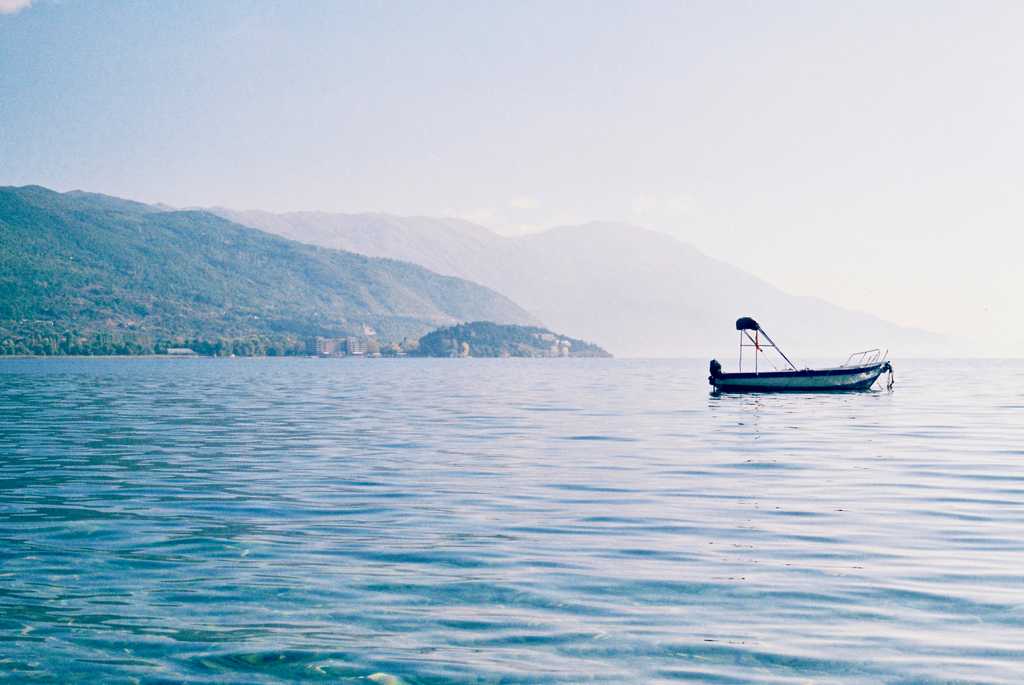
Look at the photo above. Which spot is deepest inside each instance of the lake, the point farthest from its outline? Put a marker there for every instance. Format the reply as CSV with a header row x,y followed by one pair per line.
x,y
506,521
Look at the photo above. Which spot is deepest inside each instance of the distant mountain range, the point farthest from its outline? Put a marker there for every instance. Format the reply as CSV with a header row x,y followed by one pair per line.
x,y
74,265
636,292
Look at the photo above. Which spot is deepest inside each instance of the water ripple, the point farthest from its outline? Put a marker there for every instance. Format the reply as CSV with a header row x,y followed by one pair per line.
x,y
486,521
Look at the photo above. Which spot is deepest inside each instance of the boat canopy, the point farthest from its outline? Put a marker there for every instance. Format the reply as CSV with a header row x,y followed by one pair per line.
x,y
745,323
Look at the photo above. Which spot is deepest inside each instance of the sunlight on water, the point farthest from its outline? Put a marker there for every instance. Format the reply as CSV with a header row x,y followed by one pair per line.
x,y
415,521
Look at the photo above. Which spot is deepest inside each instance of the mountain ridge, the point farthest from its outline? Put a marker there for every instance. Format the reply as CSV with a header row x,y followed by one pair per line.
x,y
89,263
635,291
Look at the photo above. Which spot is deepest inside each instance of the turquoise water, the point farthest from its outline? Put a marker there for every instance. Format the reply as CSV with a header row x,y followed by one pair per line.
x,y
506,521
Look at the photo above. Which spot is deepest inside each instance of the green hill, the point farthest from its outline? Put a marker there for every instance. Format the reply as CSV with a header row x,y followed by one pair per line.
x,y
82,273
487,339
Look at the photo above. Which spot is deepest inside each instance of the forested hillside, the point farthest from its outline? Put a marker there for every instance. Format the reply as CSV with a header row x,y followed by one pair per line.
x,y
85,273
488,339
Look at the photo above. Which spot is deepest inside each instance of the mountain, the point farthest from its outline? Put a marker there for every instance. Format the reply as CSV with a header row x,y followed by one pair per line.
x,y
87,263
447,246
634,291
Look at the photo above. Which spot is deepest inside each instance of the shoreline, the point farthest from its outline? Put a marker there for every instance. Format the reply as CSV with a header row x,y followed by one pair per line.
x,y
168,357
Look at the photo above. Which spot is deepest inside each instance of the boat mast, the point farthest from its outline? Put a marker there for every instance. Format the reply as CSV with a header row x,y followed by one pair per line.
x,y
744,325
772,344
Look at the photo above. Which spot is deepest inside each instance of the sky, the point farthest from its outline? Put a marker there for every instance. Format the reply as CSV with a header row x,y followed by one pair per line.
x,y
868,153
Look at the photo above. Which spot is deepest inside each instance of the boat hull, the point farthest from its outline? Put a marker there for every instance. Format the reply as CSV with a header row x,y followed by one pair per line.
x,y
806,380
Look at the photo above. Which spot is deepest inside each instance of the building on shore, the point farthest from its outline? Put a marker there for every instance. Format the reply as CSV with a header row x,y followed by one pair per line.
x,y
355,347
326,347
181,352
329,347
339,347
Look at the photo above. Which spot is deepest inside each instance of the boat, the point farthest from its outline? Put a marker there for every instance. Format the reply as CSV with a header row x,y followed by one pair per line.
x,y
860,371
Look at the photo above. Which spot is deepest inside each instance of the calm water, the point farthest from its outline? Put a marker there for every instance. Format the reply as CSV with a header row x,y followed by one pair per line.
x,y
506,521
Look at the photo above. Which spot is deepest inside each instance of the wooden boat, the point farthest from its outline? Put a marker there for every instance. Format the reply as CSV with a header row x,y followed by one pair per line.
x,y
858,372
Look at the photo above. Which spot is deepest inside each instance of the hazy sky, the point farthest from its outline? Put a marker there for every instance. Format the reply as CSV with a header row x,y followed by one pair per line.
x,y
868,153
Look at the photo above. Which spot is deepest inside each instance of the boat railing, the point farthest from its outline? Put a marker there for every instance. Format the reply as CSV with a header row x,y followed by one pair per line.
x,y
863,358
